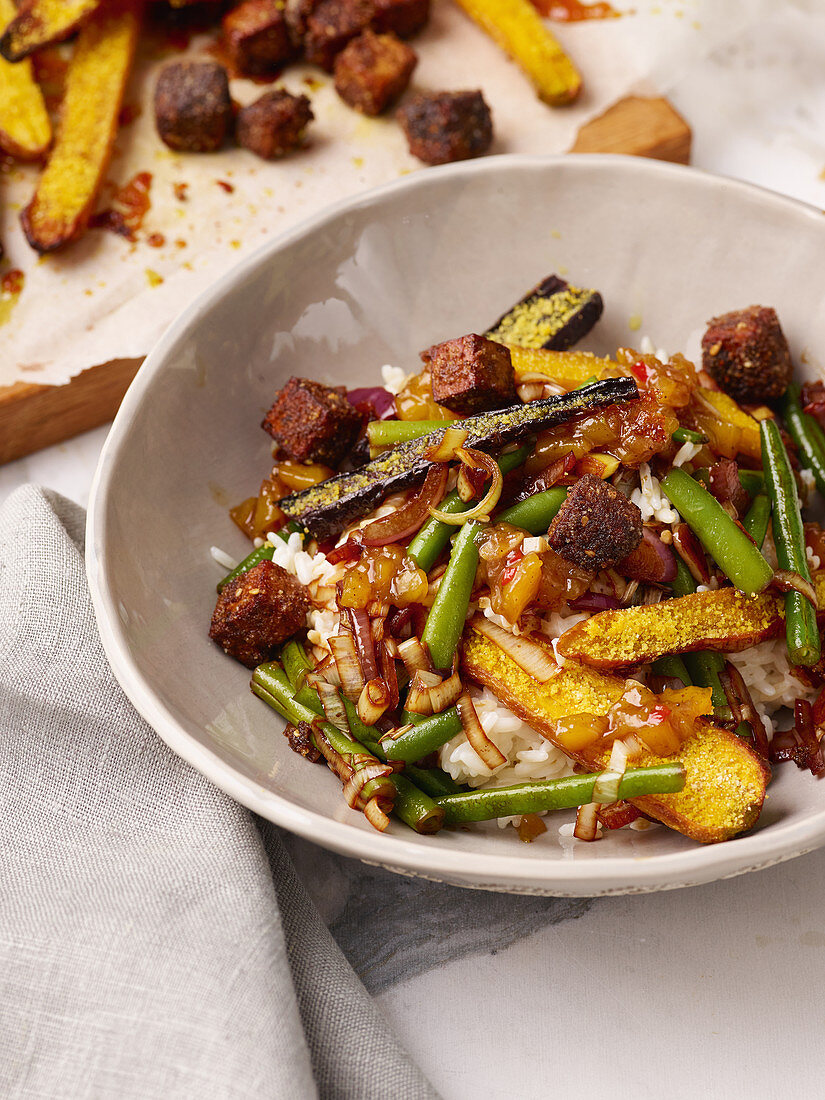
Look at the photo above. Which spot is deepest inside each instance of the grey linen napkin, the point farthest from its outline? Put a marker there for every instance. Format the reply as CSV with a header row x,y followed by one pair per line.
x,y
154,942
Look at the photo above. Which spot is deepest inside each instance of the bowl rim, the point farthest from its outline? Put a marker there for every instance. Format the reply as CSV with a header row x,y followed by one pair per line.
x,y
613,875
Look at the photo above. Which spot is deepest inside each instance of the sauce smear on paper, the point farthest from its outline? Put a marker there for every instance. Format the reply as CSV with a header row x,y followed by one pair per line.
x,y
574,11
130,204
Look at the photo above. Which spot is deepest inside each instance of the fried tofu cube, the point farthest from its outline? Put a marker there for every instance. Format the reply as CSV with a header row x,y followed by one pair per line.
x,y
274,124
256,37
596,526
471,374
746,353
445,126
258,611
372,71
193,110
312,422
330,25
402,17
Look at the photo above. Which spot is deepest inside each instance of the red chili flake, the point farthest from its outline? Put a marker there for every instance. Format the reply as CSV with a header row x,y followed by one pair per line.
x,y
659,714
227,187
640,371
181,191
511,564
156,240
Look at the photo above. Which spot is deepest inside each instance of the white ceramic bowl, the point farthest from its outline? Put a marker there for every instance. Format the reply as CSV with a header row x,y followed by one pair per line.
x,y
370,282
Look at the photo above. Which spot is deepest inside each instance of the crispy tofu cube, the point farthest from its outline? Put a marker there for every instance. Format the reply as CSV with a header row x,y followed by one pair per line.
x,y
193,111
372,71
471,374
402,17
256,37
312,422
445,126
274,124
258,611
596,526
330,25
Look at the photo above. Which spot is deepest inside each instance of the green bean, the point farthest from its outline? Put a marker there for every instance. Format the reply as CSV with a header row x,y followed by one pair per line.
x,y
757,518
536,513
688,435
424,738
270,683
703,667
801,629
259,554
587,382
672,667
555,794
806,434
434,535
433,781
412,806
726,543
296,664
445,620
389,433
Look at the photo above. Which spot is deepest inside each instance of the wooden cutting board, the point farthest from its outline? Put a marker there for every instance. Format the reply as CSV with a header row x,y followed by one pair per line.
x,y
33,417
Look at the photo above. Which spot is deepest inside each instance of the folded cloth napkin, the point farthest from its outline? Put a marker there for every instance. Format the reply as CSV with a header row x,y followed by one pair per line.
x,y
155,940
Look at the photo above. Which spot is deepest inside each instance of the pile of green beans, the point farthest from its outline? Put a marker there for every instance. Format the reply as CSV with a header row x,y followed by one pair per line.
x,y
724,540
789,538
555,794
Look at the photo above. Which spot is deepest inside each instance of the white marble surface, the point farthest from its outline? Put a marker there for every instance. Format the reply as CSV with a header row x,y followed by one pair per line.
x,y
712,992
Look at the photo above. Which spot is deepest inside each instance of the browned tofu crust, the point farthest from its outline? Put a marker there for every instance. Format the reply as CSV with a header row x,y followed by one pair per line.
x,y
330,25
444,126
747,355
256,37
193,110
258,611
471,374
312,422
403,17
596,526
274,124
372,71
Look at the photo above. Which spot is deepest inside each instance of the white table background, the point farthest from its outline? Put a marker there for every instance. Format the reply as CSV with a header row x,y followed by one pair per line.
x,y
711,992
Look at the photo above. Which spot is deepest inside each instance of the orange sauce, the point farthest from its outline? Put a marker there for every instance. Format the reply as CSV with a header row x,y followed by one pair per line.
x,y
130,205
574,11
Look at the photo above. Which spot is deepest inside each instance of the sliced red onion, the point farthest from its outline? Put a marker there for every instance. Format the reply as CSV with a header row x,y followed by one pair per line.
x,y
359,621
389,673
489,753
373,701
381,400
405,521
476,460
548,477
651,562
348,551
587,822
690,551
785,580
804,723
740,702
594,601
342,647
532,658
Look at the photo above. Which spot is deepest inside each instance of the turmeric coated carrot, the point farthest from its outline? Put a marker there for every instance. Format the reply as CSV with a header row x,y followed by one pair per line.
x,y
65,195
725,785
40,23
518,29
25,130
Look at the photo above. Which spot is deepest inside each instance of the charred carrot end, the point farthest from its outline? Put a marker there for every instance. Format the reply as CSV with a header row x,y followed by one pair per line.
x,y
40,23
25,130
97,74
518,29
725,779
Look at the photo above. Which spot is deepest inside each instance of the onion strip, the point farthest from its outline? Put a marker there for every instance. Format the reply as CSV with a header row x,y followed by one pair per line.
x,y
373,701
413,652
488,752
365,768
785,580
332,703
406,520
587,822
530,657
476,460
448,446
342,647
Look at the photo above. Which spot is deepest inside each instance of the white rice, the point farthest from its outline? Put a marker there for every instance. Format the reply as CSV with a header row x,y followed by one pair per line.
x,y
226,561
394,378
650,500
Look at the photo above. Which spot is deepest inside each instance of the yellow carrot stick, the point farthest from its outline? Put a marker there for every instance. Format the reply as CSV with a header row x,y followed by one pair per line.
x,y
65,195
519,30
25,130
40,23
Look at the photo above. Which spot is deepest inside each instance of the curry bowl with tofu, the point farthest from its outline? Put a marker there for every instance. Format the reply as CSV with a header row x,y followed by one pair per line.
x,y
531,579
509,594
